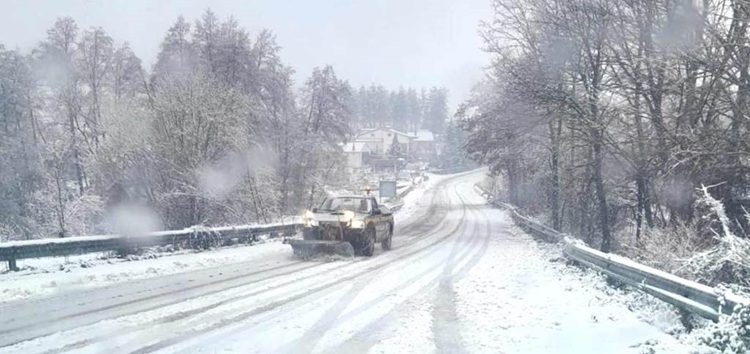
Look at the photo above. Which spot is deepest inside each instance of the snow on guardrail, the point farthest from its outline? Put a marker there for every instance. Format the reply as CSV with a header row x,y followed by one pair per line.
x,y
683,293
196,236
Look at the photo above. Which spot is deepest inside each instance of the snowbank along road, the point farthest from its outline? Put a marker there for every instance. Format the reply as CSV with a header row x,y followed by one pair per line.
x,y
460,278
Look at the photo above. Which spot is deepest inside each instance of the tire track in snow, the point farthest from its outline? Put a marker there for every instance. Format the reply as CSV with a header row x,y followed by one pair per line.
x,y
330,319
363,341
186,314
310,339
229,320
417,243
180,315
446,327
319,329
12,336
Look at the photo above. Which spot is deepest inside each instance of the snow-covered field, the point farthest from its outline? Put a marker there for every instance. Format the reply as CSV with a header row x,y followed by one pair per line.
x,y
461,278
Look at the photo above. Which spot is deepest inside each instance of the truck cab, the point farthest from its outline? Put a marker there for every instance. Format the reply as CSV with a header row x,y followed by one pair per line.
x,y
359,220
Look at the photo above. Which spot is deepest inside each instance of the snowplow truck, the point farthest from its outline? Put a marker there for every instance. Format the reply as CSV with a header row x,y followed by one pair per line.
x,y
345,225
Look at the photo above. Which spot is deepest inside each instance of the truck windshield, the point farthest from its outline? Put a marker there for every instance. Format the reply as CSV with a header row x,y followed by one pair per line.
x,y
354,204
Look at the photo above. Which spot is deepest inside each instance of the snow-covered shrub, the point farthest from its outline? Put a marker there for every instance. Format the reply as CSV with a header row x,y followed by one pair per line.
x,y
728,260
5,232
731,335
203,237
666,248
83,215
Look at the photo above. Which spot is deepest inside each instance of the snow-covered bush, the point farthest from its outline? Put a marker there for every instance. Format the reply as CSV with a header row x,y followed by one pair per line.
x,y
203,237
665,248
728,260
83,215
731,335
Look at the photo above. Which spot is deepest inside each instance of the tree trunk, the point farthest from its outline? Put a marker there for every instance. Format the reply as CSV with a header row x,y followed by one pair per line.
x,y
601,197
555,128
513,184
641,179
74,148
60,200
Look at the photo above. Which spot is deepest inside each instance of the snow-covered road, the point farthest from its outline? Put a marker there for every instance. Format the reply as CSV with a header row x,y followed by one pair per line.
x,y
460,278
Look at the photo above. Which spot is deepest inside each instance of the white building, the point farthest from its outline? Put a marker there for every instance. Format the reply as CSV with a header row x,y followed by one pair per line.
x,y
380,140
372,146
354,152
423,146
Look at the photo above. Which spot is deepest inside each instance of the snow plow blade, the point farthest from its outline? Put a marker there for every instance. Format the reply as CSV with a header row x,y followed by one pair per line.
x,y
312,248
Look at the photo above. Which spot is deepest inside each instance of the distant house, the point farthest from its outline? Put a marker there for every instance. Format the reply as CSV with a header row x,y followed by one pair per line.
x,y
370,145
381,140
375,148
355,154
423,145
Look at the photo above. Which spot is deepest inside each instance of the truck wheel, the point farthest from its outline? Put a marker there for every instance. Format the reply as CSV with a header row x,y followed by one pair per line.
x,y
386,243
368,244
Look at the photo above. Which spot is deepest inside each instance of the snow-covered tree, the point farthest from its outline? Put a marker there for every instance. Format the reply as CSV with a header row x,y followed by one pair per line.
x,y
325,122
21,150
436,110
607,114
95,64
128,77
178,54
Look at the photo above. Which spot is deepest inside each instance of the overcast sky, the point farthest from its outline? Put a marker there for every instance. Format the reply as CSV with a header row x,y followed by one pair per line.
x,y
416,43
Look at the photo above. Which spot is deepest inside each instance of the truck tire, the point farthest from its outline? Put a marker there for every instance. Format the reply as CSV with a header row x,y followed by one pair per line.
x,y
386,243
368,243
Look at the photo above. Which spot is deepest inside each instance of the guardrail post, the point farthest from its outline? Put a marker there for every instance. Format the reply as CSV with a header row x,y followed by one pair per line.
x,y
12,265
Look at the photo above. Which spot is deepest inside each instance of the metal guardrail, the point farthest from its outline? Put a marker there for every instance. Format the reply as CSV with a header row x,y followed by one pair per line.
x,y
399,203
685,294
15,250
450,171
394,207
406,191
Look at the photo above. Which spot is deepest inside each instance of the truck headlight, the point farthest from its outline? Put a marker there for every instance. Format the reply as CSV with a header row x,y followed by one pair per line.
x,y
308,219
358,224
